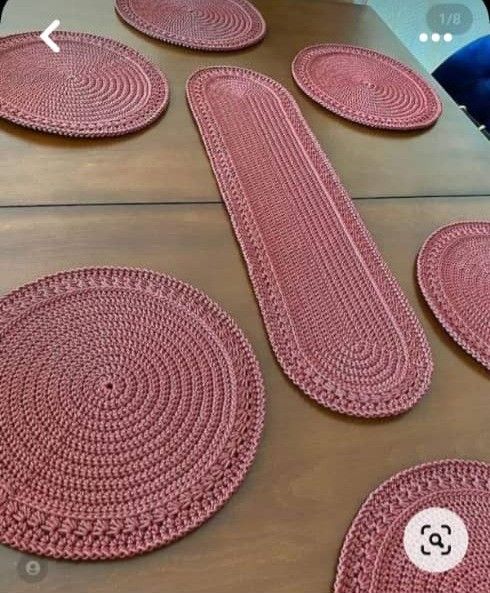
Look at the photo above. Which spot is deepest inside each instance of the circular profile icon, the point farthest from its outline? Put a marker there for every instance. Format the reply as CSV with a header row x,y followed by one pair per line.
x,y
31,569
436,540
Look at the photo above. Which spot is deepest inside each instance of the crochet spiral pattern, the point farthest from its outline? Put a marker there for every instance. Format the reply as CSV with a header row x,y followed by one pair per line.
x,y
373,559
212,25
338,322
93,87
366,87
453,271
131,407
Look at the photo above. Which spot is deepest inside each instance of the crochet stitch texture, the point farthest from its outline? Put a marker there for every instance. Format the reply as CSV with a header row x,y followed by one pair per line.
x,y
366,87
131,408
338,322
373,559
212,25
93,87
453,270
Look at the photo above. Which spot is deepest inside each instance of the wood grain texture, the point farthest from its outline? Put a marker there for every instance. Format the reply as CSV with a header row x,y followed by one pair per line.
x,y
166,163
282,531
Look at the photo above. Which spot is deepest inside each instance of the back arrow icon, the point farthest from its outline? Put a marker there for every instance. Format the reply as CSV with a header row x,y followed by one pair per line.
x,y
45,36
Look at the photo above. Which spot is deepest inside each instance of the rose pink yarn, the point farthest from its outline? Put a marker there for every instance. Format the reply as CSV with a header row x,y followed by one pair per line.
x,y
366,87
93,87
373,558
212,25
131,408
453,271
338,322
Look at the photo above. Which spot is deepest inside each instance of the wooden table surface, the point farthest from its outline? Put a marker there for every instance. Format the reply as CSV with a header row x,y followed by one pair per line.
x,y
282,531
166,163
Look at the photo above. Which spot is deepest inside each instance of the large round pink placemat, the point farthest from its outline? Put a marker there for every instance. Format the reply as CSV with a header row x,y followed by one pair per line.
x,y
131,408
366,87
93,87
453,271
426,530
212,25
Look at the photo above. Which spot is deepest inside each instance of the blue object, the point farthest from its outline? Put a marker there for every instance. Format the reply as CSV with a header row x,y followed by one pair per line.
x,y
466,77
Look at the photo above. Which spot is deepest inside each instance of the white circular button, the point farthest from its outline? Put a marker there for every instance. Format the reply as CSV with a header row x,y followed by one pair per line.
x,y
436,540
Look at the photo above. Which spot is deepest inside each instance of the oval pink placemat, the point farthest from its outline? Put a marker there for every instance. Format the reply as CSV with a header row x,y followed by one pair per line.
x,y
336,317
448,504
366,87
453,271
93,87
131,408
211,25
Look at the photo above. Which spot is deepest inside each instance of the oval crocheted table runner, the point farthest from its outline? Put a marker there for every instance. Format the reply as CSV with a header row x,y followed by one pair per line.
x,y
426,530
93,87
366,87
338,322
131,408
453,271
212,25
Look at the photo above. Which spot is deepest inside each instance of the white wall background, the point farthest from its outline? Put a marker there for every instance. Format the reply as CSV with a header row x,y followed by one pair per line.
x,y
408,19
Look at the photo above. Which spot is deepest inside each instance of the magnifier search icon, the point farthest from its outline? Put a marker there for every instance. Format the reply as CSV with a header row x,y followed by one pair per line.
x,y
436,540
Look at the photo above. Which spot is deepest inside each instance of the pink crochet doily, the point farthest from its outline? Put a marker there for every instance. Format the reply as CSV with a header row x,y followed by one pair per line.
x,y
374,558
131,408
453,271
93,87
366,87
337,319
212,25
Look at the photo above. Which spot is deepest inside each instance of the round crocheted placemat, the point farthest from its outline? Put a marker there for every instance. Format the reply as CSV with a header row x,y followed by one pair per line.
x,y
131,408
93,87
374,557
366,87
211,25
453,271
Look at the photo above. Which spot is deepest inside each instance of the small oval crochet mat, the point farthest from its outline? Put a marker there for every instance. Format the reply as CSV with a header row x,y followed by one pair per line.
x,y
93,87
339,323
366,87
131,407
375,559
453,271
212,25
